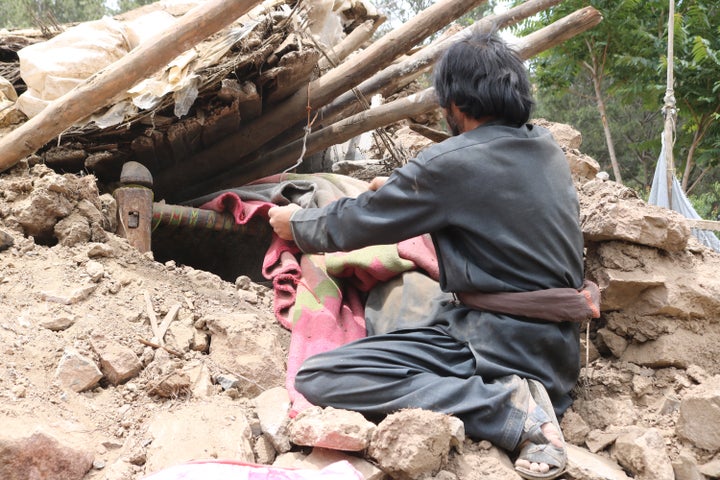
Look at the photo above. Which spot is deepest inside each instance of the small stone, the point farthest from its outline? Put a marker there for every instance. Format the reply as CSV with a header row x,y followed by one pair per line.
x,y
100,250
95,270
6,240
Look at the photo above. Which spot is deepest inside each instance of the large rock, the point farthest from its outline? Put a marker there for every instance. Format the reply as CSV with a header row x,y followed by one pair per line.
x,y
681,349
589,466
647,281
272,408
426,438
331,428
76,371
215,428
246,346
612,212
117,362
699,420
643,453
33,453
603,412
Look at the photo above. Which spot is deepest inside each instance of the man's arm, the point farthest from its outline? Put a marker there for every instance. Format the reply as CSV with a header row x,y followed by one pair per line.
x,y
280,216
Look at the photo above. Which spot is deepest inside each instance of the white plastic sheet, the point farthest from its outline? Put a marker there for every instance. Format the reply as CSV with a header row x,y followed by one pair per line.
x,y
660,196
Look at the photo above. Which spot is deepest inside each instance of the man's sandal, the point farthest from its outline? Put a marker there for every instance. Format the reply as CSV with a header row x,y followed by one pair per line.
x,y
536,448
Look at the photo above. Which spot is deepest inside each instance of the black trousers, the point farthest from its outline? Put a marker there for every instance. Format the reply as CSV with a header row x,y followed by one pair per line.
x,y
417,368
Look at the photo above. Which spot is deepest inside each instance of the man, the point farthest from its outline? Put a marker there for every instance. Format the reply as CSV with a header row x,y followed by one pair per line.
x,y
500,205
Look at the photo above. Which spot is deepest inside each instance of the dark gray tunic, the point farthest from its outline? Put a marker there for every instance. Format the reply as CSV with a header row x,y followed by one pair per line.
x,y
501,207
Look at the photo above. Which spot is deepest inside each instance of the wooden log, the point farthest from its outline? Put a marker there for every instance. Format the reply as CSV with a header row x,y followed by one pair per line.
x,y
339,132
392,112
381,53
295,70
395,77
349,44
100,89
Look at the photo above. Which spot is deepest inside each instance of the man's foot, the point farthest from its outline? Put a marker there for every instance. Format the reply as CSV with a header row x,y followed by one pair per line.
x,y
552,436
542,447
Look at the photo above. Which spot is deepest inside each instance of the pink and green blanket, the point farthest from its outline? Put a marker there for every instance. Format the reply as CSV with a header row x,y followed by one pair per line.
x,y
319,297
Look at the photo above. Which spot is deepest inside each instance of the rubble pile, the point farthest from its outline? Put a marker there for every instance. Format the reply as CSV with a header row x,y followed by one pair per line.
x,y
115,366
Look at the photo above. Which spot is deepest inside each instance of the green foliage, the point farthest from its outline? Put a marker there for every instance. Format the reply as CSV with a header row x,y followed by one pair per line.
x,y
126,5
628,53
33,13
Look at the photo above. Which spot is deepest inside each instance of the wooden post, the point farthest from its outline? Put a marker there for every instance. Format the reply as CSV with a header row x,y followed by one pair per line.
x,y
135,206
100,89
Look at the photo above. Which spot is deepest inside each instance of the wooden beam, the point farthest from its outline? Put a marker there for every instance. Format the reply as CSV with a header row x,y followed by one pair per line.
x,y
99,90
704,224
180,216
362,33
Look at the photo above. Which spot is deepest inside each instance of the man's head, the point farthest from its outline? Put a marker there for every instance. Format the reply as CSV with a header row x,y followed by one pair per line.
x,y
484,78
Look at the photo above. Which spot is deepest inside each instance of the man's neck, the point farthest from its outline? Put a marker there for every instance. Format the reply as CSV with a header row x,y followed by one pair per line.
x,y
472,123
464,122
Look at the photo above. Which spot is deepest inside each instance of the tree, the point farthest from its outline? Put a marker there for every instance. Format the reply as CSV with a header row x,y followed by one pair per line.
x,y
29,13
625,60
698,73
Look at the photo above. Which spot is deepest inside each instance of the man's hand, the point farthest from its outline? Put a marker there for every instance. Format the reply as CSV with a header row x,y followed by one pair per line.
x,y
280,220
377,182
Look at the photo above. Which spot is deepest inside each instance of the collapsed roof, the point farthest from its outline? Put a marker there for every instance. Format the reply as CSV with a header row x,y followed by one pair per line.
x,y
248,90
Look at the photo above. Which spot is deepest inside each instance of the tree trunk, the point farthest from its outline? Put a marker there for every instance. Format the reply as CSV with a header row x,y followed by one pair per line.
x,y
702,128
99,90
596,73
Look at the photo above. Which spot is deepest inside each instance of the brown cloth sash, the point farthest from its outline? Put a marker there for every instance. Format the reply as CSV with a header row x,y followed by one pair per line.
x,y
553,304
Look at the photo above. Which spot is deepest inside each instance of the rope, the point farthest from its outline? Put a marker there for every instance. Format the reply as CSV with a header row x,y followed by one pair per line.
x,y
669,109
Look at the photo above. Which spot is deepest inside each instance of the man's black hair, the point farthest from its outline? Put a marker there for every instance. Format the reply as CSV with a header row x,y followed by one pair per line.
x,y
484,77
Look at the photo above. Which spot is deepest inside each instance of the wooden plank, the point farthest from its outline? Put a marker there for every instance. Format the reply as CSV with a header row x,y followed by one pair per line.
x,y
704,224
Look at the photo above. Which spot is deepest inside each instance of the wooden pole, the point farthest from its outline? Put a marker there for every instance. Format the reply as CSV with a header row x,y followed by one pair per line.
x,y
669,109
100,89
389,113
224,154
349,44
401,74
